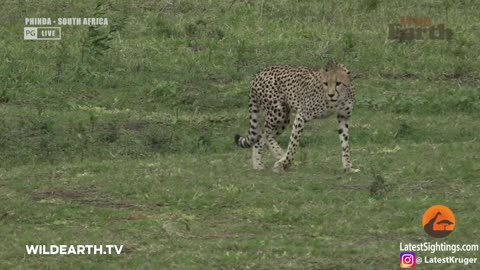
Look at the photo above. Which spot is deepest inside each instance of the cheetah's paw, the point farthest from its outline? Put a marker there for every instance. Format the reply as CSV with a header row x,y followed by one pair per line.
x,y
279,166
351,170
258,167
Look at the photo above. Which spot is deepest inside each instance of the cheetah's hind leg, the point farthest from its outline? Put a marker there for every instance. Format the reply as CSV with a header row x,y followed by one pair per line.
x,y
257,152
280,122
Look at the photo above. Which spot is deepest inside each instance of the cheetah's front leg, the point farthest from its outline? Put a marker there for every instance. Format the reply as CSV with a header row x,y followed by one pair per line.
x,y
297,130
343,135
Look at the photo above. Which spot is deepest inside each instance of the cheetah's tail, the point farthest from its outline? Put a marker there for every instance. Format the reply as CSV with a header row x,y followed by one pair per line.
x,y
253,133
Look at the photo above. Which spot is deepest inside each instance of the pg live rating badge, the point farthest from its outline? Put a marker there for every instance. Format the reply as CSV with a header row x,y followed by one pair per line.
x,y
42,33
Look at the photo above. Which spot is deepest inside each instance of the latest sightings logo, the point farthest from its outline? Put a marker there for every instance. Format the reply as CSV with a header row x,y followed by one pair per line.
x,y
408,260
438,221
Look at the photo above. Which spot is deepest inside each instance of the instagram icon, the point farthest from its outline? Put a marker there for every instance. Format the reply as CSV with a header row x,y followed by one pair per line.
x,y
408,259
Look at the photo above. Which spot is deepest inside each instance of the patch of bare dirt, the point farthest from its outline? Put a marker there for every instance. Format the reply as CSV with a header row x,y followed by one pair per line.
x,y
134,126
401,76
461,77
84,196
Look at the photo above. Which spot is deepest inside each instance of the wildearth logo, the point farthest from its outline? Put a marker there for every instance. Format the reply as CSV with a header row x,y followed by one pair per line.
x,y
418,28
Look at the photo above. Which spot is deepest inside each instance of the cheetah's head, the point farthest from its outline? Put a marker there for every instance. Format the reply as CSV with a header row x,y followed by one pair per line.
x,y
336,80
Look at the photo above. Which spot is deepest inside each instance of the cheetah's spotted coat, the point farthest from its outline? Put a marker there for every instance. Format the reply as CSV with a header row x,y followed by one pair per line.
x,y
279,90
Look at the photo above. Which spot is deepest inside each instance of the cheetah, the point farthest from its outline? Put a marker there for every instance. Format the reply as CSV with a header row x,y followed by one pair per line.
x,y
311,94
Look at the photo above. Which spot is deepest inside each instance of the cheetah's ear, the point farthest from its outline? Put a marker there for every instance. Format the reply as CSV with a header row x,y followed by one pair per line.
x,y
330,65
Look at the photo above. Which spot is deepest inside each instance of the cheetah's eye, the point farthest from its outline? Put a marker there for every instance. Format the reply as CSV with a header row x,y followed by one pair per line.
x,y
338,83
326,84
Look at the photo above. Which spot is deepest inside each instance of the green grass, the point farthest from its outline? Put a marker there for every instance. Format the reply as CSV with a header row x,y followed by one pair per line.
x,y
129,140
